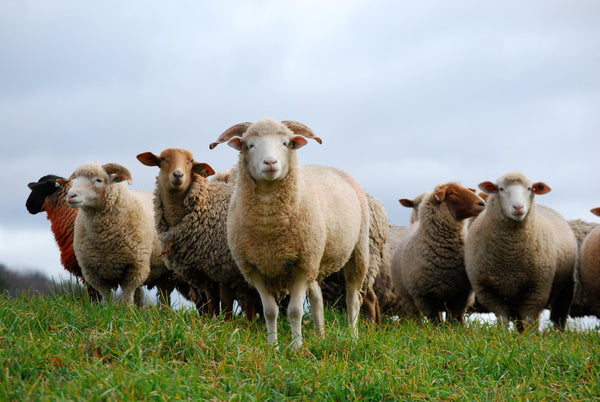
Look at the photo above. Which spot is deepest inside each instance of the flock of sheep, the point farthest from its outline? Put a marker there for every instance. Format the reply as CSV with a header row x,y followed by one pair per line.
x,y
270,231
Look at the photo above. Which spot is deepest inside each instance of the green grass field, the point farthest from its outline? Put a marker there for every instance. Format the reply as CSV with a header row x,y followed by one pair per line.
x,y
63,347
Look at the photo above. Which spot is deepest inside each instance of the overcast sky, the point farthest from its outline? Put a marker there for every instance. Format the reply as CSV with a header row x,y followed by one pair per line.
x,y
405,95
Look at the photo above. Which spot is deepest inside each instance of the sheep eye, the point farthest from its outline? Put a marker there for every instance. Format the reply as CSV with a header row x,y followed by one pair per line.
x,y
163,159
250,146
501,189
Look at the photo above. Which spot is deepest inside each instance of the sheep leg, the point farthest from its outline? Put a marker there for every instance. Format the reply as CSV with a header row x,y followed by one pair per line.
x,y
560,305
316,306
296,308
270,308
370,307
226,294
138,297
211,289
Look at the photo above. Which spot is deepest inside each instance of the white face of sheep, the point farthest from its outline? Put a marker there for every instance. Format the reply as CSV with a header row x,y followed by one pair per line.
x,y
267,155
86,192
515,197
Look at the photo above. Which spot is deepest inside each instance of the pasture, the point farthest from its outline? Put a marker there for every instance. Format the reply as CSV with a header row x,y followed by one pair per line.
x,y
62,347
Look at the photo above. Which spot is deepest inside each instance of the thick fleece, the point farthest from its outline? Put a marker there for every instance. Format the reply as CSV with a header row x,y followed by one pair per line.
x,y
516,268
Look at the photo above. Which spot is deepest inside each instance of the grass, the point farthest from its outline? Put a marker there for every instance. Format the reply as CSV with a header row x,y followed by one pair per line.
x,y
63,347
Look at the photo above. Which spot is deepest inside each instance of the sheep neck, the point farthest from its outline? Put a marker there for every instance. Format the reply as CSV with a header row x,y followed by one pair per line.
x,y
62,221
177,204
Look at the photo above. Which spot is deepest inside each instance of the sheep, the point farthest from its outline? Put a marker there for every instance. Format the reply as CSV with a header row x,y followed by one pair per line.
x,y
191,220
49,196
332,287
414,204
290,226
587,280
428,265
390,301
520,255
579,307
115,238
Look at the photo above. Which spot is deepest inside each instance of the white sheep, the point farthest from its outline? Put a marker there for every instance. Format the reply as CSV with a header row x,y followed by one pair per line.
x,y
291,226
589,270
115,238
191,220
519,255
428,265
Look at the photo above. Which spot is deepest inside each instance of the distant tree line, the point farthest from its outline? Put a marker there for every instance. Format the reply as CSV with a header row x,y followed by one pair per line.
x,y
13,283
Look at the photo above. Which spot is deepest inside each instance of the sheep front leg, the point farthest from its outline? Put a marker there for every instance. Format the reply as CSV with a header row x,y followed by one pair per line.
x,y
270,308
316,306
296,308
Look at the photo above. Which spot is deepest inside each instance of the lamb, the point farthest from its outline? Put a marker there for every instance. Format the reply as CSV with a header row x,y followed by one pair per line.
x,y
332,287
49,196
290,226
428,265
114,239
191,220
519,255
589,270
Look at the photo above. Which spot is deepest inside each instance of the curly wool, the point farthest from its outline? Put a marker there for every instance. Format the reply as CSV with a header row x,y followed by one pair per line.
x,y
429,263
62,220
198,243
581,302
516,268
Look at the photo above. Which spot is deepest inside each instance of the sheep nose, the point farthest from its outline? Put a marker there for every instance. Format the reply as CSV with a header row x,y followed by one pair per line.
x,y
70,196
270,163
518,208
481,204
178,175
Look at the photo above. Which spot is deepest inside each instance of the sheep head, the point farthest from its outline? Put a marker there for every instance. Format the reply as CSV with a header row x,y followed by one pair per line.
x,y
177,165
515,193
267,144
44,187
90,181
462,202
414,204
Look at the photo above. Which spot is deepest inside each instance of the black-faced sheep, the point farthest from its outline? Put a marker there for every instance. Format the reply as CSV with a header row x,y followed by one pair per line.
x,y
291,226
115,239
191,220
589,270
428,265
519,255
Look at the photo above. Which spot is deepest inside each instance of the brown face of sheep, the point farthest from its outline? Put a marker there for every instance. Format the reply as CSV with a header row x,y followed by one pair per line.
x,y
176,167
462,202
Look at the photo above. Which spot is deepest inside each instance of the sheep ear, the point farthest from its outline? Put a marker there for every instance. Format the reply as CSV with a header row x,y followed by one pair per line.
x,y
33,185
488,187
540,188
114,170
595,211
440,195
62,182
149,159
298,142
405,202
203,169
236,143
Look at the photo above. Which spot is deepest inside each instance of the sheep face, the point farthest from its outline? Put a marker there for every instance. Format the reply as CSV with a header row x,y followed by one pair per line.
x,y
90,181
462,202
41,189
515,193
177,165
267,155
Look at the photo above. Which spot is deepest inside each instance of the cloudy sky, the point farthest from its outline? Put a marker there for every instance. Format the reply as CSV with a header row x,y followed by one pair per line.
x,y
405,95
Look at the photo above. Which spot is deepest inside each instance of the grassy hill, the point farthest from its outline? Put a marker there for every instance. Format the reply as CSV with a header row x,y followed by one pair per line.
x,y
64,347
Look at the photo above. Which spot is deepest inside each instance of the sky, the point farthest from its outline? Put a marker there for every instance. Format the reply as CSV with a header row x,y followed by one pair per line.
x,y
405,95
